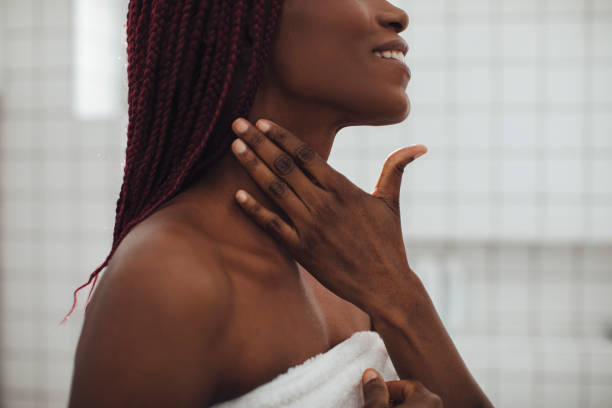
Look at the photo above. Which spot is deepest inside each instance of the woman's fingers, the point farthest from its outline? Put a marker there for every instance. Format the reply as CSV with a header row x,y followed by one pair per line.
x,y
268,220
409,393
277,160
399,393
390,180
402,390
375,393
305,156
276,188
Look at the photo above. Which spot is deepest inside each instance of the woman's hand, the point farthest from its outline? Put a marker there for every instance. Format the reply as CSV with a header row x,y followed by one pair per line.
x,y
349,240
399,393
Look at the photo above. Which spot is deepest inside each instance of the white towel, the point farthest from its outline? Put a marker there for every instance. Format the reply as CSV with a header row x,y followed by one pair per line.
x,y
330,379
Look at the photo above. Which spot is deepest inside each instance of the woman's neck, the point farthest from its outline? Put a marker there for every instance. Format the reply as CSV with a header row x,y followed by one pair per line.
x,y
211,199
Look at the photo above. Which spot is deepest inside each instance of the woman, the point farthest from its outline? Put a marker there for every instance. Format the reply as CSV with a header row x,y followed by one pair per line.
x,y
204,298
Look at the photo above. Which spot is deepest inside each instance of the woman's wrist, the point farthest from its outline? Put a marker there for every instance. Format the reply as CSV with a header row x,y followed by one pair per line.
x,y
419,345
396,305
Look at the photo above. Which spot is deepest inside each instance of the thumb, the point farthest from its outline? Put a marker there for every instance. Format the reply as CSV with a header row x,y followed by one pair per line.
x,y
375,391
390,180
369,375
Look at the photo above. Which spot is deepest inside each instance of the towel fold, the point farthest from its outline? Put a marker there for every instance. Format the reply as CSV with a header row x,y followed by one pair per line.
x,y
330,379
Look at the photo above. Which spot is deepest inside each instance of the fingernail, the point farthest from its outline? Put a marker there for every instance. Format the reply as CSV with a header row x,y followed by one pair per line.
x,y
239,146
263,126
241,196
241,126
369,376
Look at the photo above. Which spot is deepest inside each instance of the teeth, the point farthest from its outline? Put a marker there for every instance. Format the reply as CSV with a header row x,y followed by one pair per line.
x,y
398,55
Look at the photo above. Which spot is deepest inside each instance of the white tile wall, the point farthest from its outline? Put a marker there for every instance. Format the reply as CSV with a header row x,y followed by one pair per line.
x,y
508,218
510,97
59,179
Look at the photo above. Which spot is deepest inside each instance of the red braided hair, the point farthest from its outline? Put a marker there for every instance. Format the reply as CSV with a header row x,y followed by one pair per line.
x,y
182,59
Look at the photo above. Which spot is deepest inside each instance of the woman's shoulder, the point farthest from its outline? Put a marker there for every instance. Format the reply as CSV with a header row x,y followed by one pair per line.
x,y
169,227
170,243
166,251
165,263
162,306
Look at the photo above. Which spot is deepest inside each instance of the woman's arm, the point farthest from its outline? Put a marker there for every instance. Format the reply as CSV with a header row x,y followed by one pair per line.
x,y
352,243
419,345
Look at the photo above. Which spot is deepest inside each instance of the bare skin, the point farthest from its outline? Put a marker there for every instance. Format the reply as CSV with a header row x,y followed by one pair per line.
x,y
379,393
199,304
351,241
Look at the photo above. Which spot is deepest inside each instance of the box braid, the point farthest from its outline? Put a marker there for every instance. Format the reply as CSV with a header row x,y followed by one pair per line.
x,y
182,59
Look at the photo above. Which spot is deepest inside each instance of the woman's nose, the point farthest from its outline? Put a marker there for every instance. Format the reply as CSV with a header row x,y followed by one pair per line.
x,y
393,16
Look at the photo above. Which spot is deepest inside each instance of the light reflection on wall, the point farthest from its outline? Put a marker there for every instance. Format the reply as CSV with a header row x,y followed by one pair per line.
x,y
98,52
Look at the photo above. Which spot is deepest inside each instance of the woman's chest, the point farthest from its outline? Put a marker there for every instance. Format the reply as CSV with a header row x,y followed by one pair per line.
x,y
278,329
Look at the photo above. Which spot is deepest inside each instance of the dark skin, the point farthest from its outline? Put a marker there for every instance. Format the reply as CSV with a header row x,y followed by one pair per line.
x,y
201,304
351,242
396,394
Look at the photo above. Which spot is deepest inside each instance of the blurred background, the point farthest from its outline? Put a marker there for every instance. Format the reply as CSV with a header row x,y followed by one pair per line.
x,y
507,218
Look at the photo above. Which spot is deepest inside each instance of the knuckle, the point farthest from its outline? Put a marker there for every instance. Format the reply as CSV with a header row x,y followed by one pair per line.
x,y
277,135
284,164
399,169
395,204
342,187
274,224
256,138
256,207
278,188
251,161
325,211
305,153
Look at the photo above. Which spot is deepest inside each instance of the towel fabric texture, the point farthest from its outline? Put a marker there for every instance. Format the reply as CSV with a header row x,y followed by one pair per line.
x,y
330,379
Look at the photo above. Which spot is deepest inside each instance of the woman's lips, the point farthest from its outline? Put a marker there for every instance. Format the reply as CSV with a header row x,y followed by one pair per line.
x,y
398,63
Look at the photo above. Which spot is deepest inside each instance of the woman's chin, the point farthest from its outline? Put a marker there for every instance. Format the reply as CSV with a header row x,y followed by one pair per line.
x,y
388,111
396,112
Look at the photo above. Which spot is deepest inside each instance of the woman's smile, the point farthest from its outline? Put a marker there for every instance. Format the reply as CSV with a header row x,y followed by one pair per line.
x,y
394,51
394,60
